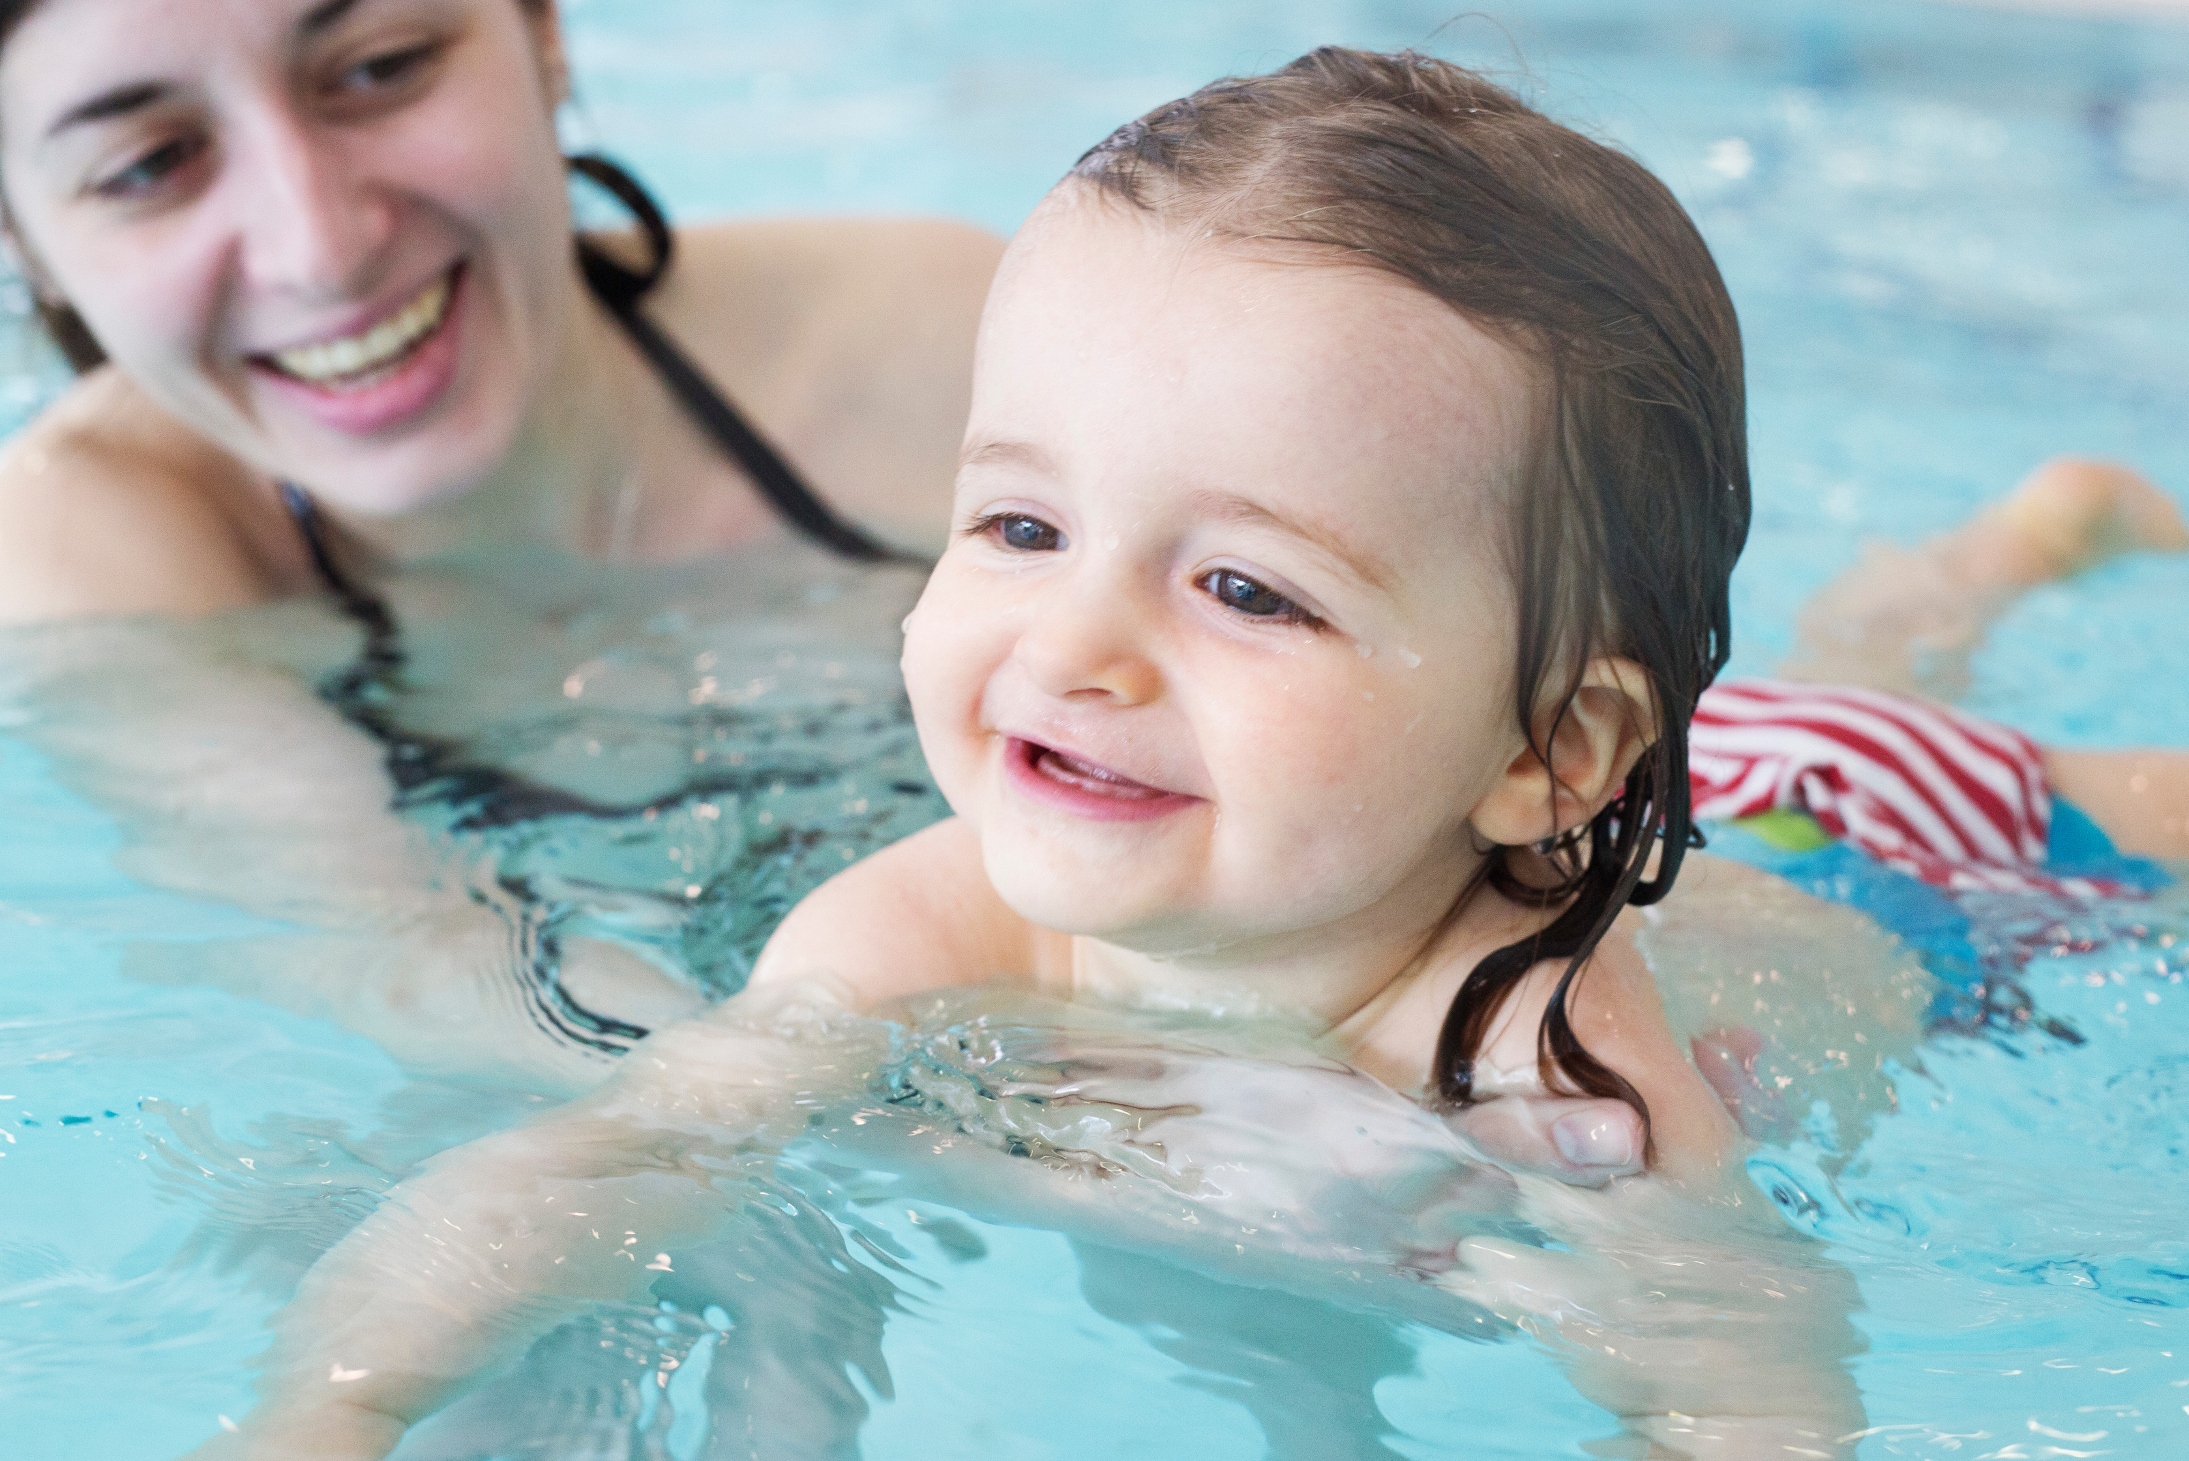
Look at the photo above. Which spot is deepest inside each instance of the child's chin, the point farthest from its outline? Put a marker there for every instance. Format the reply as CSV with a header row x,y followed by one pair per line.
x,y
1073,902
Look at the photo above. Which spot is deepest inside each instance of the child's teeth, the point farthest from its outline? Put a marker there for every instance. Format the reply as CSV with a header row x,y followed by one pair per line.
x,y
373,348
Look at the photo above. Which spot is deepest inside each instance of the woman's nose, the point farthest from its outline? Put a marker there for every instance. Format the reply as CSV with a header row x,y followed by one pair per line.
x,y
1085,645
307,222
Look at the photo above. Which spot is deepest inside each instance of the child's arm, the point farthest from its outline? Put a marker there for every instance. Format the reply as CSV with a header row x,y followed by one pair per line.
x,y
1688,1308
495,1242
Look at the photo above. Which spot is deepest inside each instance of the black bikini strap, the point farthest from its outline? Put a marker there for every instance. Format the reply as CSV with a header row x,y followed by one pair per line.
x,y
620,287
369,611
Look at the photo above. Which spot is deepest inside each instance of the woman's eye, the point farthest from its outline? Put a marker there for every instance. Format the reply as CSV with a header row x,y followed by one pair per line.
x,y
150,169
1237,592
389,69
1022,534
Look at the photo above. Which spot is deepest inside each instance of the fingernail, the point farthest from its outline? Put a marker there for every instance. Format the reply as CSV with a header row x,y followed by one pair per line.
x,y
1588,1141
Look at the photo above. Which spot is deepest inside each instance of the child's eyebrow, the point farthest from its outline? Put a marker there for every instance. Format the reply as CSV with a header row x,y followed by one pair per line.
x,y
1364,565
1010,454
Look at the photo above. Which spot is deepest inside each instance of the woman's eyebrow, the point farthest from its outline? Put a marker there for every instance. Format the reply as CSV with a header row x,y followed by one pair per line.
x,y
324,17
120,101
135,96
1364,565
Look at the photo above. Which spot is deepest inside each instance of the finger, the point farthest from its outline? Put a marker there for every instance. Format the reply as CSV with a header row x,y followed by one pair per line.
x,y
1727,1059
1586,1143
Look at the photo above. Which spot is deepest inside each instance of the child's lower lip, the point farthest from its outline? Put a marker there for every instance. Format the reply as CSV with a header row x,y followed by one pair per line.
x,y
405,391
1084,789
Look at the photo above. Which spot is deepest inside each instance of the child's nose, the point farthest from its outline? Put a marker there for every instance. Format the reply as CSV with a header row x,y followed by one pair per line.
x,y
1083,646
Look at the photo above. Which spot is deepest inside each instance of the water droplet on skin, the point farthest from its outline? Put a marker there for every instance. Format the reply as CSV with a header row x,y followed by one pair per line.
x,y
1364,649
1409,659
1109,544
1369,696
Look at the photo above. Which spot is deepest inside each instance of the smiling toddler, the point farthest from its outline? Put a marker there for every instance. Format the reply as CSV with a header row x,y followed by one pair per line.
x,y
1355,470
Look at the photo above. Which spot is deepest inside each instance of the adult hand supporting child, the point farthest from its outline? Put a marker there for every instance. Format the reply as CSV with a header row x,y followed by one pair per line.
x,y
1582,1142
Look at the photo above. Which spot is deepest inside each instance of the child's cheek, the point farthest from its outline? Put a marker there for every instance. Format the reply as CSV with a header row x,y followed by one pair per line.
x,y
1318,736
1341,767
946,667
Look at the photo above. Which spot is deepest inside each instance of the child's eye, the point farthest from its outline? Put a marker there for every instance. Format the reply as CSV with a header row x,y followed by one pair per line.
x,y
143,176
1019,532
1236,591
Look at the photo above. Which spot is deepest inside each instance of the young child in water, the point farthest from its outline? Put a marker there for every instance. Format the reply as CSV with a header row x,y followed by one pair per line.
x,y
1355,470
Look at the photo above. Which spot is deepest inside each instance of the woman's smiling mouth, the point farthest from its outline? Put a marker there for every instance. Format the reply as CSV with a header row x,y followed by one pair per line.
x,y
1085,788
381,375
335,364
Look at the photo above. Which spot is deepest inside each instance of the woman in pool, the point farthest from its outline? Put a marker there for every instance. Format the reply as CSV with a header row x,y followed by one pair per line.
x,y
316,263
1355,470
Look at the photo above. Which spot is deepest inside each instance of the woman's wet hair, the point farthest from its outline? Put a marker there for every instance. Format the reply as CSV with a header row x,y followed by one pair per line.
x,y
63,326
1634,504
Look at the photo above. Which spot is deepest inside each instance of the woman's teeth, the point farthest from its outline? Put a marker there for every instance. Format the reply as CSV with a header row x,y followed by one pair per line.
x,y
337,360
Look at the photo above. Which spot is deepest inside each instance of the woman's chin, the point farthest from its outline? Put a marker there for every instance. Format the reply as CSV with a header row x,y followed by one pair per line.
x,y
426,470
350,488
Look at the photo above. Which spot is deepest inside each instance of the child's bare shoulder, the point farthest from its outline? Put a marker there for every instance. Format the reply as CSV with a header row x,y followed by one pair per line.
x,y
920,914
1618,1017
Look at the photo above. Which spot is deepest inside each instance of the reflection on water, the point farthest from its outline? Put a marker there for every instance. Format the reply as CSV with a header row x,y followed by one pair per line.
x,y
732,735
1038,1233
1025,1190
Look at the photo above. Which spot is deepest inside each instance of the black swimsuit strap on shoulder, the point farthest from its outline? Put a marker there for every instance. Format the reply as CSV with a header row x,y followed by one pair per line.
x,y
363,690
620,288
366,690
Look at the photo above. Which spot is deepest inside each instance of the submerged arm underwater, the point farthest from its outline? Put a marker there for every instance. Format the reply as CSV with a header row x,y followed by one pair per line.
x,y
493,1244
1699,1318
231,781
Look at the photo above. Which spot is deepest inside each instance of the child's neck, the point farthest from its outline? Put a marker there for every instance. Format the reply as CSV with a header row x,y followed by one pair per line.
x,y
1376,984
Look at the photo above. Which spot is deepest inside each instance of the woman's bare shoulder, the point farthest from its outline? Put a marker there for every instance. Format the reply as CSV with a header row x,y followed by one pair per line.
x,y
807,254
851,340
108,507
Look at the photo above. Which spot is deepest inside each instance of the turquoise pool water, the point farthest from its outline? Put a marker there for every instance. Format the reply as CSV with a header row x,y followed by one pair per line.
x,y
1959,240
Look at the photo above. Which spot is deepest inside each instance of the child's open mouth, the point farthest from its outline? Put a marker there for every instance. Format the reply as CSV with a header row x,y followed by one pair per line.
x,y
1086,788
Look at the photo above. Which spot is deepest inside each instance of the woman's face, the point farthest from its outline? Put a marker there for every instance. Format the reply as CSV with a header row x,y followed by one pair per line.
x,y
331,235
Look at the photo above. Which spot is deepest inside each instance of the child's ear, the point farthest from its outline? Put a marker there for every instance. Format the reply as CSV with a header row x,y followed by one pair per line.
x,y
1611,721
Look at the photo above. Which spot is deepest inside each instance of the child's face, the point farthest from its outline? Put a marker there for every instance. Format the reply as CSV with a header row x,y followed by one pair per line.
x,y
1223,650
